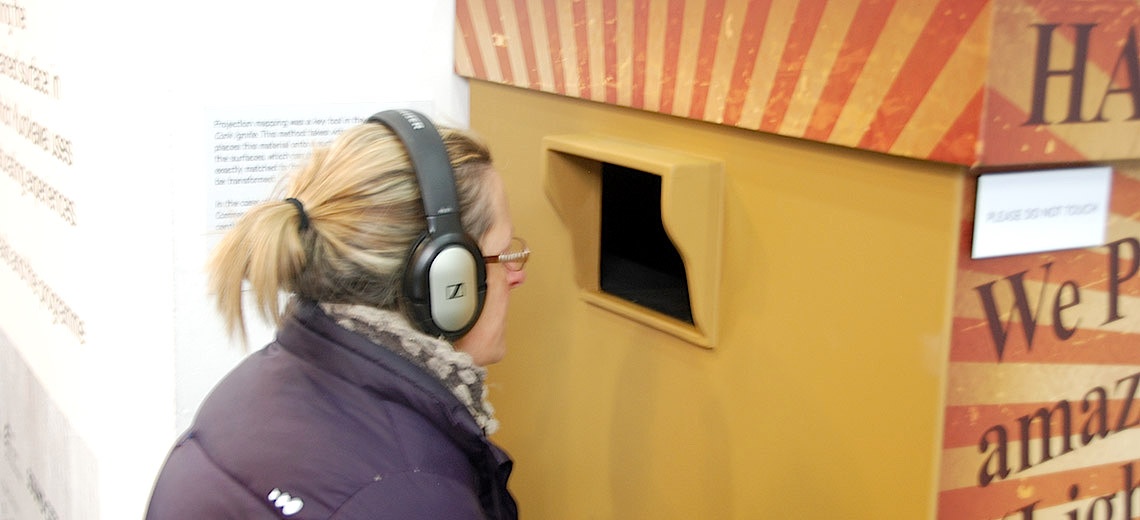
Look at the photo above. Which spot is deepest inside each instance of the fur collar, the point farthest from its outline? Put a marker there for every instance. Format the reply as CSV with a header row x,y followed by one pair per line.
x,y
456,370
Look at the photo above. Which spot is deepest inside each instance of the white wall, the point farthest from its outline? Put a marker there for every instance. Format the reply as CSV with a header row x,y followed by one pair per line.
x,y
107,338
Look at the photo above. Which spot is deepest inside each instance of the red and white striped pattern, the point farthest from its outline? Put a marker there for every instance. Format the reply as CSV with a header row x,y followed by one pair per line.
x,y
899,77
945,80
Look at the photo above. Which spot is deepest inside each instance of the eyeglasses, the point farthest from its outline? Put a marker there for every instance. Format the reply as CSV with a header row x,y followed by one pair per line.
x,y
515,256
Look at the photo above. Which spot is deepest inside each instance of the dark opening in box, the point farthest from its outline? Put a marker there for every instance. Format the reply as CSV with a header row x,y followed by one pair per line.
x,y
639,262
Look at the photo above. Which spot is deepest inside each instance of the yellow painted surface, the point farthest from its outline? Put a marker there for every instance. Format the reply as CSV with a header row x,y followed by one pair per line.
x,y
823,395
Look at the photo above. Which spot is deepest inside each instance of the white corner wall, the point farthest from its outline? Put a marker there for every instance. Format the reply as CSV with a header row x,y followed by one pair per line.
x,y
108,148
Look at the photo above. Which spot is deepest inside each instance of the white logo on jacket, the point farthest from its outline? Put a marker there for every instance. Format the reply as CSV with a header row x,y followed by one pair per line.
x,y
286,503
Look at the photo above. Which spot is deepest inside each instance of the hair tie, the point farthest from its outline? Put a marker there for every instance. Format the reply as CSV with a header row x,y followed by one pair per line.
x,y
300,211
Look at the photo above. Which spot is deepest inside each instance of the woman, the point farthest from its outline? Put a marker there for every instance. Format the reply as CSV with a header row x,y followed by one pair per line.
x,y
353,412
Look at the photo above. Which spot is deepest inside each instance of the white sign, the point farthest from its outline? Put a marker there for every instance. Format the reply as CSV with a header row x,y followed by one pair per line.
x,y
250,148
1048,210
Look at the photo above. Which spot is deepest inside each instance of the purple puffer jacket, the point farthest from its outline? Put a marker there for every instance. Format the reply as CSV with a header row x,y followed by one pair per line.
x,y
325,424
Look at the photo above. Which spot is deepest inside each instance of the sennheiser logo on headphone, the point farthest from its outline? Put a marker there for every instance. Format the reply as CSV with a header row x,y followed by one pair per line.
x,y
413,119
455,291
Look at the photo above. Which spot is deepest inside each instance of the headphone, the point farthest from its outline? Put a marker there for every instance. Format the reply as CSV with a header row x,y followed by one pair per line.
x,y
445,278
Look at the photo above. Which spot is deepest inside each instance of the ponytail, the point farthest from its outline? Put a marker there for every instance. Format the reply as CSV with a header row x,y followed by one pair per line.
x,y
266,249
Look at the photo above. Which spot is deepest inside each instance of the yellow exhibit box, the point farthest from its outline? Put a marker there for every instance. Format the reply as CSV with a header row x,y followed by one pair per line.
x,y
811,335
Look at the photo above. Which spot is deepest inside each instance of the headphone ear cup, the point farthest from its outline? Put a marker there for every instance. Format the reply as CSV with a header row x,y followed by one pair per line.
x,y
445,284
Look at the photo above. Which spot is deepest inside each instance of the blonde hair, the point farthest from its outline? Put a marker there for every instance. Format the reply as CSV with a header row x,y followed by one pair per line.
x,y
364,211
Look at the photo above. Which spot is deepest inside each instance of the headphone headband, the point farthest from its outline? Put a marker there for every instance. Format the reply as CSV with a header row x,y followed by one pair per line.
x,y
432,165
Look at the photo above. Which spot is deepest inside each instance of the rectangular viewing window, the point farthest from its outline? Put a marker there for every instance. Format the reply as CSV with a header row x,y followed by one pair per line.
x,y
645,226
639,262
